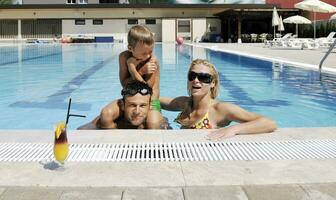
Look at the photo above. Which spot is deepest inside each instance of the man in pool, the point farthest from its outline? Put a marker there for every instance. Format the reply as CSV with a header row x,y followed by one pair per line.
x,y
130,112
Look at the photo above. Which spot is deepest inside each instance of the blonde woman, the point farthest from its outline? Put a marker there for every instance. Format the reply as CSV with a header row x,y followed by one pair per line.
x,y
201,110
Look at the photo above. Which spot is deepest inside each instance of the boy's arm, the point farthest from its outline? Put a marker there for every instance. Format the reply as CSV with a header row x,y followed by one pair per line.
x,y
154,78
131,65
124,75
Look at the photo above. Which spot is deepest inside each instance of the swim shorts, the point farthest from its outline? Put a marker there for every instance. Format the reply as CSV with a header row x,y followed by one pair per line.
x,y
155,105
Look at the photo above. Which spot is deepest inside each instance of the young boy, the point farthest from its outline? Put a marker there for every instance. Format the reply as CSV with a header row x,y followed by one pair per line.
x,y
138,63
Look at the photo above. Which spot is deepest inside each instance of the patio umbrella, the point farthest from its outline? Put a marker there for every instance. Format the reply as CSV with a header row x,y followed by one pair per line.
x,y
275,19
297,20
315,6
281,26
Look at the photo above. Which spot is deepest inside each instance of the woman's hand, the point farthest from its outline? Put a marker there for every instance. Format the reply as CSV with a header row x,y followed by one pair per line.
x,y
222,133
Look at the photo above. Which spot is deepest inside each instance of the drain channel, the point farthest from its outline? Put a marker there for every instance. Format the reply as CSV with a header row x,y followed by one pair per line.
x,y
170,152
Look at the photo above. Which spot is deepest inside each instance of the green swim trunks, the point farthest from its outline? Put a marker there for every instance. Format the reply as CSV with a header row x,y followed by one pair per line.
x,y
155,105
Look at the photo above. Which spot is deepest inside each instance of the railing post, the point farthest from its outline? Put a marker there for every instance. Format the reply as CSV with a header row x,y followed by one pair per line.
x,y
332,46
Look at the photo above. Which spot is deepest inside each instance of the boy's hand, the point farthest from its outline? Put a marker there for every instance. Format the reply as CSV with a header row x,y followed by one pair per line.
x,y
149,67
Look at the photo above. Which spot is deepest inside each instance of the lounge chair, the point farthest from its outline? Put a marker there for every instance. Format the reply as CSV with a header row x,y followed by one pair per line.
x,y
326,41
270,43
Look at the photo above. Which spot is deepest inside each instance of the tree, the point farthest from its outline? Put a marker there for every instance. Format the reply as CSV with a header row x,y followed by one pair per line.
x,y
5,2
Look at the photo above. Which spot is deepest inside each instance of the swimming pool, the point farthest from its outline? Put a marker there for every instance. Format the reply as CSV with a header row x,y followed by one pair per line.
x,y
36,82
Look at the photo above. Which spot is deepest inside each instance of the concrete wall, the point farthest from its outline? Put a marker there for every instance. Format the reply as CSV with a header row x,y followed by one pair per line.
x,y
118,28
198,29
54,1
168,30
155,28
110,27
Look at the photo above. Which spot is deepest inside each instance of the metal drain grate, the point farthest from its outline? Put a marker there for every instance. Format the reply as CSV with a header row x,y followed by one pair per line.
x,y
142,152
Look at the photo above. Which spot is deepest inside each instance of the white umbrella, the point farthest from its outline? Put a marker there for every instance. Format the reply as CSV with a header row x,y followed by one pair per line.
x,y
297,20
315,6
333,17
281,26
275,19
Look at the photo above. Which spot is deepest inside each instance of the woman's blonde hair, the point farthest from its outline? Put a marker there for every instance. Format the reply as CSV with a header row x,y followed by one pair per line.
x,y
141,34
214,90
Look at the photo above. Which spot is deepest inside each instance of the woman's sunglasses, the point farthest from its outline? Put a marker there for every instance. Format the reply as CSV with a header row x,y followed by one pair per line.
x,y
203,77
132,92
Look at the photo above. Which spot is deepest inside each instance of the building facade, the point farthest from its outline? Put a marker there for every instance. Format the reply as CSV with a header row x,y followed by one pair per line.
x,y
222,19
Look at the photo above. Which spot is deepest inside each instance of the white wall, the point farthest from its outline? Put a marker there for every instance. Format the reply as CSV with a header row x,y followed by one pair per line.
x,y
110,27
168,30
198,29
155,28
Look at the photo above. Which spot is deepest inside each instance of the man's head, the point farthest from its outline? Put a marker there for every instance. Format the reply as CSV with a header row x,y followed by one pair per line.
x,y
136,102
140,42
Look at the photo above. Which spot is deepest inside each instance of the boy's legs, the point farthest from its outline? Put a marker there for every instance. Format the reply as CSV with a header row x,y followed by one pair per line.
x,y
155,119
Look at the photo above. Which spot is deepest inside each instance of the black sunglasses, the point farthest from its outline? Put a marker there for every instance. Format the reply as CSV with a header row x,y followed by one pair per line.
x,y
132,92
203,77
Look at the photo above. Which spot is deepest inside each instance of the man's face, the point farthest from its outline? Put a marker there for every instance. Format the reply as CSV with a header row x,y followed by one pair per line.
x,y
142,51
136,108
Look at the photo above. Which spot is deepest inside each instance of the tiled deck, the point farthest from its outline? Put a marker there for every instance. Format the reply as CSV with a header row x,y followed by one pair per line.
x,y
303,58
260,179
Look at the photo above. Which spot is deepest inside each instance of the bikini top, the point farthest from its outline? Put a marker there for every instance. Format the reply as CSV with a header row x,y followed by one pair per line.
x,y
203,123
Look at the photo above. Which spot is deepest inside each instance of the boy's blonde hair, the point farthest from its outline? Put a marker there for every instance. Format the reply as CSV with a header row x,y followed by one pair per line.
x,y
214,91
141,34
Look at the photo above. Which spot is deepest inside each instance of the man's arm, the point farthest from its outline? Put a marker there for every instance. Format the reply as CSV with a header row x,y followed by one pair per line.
x,y
106,119
109,114
249,123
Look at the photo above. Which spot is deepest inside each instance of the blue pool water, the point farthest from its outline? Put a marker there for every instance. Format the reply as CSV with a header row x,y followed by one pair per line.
x,y
36,82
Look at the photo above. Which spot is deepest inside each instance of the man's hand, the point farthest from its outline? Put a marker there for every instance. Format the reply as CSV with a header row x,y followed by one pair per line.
x,y
222,133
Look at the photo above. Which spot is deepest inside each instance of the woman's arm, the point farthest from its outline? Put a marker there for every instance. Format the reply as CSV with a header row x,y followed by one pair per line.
x,y
249,123
176,104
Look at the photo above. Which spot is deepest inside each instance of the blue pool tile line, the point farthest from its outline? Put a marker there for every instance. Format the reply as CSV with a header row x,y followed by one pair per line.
x,y
242,98
59,100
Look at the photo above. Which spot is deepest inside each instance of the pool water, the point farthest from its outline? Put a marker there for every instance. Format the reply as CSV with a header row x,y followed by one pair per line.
x,y
36,82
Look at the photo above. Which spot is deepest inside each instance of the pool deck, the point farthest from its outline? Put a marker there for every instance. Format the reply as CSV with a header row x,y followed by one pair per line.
x,y
304,58
256,179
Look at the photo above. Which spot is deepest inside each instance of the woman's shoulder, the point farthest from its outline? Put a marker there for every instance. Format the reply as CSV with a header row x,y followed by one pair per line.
x,y
221,106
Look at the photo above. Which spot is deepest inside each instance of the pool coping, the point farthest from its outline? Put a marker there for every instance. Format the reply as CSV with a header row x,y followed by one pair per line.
x,y
166,174
290,63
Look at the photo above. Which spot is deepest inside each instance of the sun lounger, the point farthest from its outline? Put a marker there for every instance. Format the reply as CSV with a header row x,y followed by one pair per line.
x,y
326,41
270,43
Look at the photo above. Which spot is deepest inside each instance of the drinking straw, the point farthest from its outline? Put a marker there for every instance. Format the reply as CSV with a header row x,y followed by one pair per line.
x,y
72,115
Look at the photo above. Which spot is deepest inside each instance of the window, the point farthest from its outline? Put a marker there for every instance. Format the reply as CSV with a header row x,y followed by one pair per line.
x,y
82,1
150,21
80,21
108,1
97,22
71,1
132,21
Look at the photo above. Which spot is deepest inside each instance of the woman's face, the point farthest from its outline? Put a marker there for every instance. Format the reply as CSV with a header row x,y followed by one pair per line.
x,y
200,80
